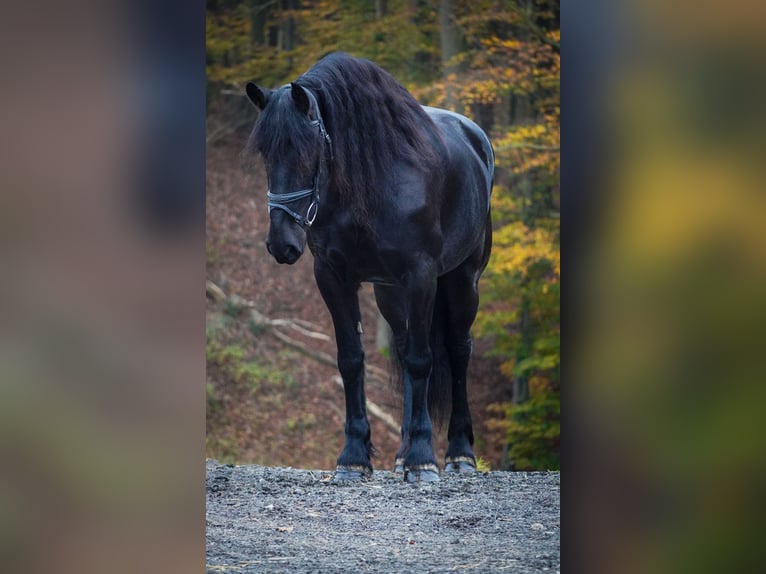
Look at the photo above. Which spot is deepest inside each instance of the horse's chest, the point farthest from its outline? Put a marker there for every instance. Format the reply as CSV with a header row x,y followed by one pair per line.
x,y
352,257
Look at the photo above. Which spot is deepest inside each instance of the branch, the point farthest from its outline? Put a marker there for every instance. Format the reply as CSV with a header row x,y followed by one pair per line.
x,y
528,20
552,43
555,149
372,373
326,359
318,356
224,130
294,324
214,292
258,9
376,411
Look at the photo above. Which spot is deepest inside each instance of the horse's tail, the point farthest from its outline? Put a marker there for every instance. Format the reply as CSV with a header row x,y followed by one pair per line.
x,y
440,384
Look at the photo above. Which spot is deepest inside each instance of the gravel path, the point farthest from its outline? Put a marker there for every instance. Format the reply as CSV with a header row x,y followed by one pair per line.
x,y
298,521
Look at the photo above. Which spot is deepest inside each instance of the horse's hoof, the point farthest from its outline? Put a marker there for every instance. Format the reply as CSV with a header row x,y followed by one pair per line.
x,y
352,473
422,473
460,465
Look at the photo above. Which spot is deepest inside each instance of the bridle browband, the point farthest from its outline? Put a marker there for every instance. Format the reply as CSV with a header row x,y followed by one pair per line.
x,y
278,200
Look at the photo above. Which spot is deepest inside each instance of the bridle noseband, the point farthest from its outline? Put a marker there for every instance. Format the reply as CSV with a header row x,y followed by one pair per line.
x,y
278,200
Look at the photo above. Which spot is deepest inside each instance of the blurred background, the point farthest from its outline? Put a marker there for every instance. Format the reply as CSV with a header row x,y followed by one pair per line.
x,y
101,297
275,401
667,205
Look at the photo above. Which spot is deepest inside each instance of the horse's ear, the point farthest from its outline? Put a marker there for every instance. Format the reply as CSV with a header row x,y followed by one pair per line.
x,y
259,96
301,98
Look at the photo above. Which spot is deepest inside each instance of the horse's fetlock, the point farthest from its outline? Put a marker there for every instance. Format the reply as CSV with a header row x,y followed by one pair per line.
x,y
359,428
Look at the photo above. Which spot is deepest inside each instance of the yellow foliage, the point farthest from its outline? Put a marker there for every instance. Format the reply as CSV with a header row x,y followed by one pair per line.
x,y
517,246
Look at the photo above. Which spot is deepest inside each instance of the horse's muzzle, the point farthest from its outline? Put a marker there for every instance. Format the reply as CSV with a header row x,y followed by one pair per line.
x,y
285,253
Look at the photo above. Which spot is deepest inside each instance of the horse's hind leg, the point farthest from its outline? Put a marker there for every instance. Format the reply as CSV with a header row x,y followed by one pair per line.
x,y
343,303
463,303
462,294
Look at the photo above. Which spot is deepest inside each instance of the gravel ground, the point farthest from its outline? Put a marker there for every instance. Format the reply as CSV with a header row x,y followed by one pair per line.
x,y
263,519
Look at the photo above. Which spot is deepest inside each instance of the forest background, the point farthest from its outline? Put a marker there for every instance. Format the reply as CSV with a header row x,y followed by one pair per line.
x,y
497,62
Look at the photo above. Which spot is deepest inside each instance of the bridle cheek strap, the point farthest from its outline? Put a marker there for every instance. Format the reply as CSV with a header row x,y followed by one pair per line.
x,y
278,200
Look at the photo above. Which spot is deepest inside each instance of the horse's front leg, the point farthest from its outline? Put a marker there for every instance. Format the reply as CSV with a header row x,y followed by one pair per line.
x,y
419,462
343,303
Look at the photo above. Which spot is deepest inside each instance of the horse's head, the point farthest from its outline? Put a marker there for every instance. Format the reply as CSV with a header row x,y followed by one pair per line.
x,y
291,137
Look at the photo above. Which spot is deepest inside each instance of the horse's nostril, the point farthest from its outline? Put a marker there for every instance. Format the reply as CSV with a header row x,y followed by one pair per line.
x,y
290,254
284,253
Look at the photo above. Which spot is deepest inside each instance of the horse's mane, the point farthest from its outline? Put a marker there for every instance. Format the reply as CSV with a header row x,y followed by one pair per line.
x,y
374,123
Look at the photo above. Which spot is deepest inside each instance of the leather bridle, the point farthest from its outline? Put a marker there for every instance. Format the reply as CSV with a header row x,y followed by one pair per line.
x,y
279,200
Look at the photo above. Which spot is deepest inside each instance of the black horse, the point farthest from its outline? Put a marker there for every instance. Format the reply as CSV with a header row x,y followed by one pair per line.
x,y
388,192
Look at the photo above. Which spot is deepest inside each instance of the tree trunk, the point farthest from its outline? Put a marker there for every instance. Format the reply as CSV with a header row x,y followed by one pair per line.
x,y
286,40
380,8
259,16
382,334
451,42
520,382
484,115
520,110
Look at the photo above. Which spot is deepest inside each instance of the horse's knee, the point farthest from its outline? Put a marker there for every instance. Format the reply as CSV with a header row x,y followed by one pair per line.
x,y
419,366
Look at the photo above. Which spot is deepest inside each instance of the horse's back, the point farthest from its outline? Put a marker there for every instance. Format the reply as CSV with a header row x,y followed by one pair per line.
x,y
458,128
